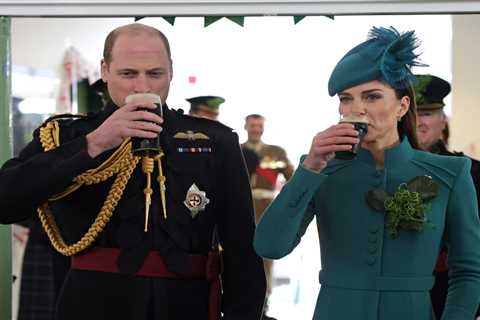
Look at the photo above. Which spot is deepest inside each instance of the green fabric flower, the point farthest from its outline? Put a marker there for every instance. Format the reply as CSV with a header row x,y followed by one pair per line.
x,y
407,208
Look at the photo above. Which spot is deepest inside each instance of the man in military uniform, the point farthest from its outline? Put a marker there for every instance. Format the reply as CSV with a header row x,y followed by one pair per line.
x,y
431,125
205,106
143,229
272,162
209,107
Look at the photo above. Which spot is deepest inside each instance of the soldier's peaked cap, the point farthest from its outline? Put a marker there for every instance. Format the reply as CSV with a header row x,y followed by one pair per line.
x,y
210,103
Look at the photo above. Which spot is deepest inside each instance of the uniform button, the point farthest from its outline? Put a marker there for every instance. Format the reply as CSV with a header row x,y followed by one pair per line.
x,y
371,261
372,239
372,249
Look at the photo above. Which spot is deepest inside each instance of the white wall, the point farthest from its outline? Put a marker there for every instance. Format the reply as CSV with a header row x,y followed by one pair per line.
x,y
465,132
40,42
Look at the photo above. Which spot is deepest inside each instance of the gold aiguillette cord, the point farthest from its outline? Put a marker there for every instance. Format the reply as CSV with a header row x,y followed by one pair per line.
x,y
147,168
148,164
161,182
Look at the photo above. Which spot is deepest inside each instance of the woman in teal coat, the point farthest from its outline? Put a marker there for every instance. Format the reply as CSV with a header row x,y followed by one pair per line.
x,y
382,216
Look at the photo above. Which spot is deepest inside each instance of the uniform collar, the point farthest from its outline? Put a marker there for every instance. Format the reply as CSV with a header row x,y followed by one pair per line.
x,y
254,146
397,155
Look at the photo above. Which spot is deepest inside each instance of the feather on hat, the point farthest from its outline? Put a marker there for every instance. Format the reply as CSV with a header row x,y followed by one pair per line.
x,y
387,55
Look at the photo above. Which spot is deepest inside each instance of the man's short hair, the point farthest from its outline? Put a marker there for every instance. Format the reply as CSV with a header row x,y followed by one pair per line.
x,y
254,116
132,29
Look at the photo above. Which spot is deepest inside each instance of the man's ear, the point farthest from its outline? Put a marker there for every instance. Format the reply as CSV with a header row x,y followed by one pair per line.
x,y
171,70
104,70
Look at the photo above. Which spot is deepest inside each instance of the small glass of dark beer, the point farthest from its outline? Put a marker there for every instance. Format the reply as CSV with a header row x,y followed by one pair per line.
x,y
360,122
143,146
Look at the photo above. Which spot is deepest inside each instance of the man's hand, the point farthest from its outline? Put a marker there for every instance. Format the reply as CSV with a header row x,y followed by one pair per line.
x,y
126,122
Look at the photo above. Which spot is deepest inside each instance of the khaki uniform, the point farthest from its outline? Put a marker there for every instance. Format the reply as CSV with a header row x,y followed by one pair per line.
x,y
272,162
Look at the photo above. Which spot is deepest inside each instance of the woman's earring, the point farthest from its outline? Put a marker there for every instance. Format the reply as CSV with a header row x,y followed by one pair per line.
x,y
399,118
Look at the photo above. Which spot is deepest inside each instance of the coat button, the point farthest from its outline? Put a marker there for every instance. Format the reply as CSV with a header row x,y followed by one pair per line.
x,y
371,261
372,239
378,183
372,249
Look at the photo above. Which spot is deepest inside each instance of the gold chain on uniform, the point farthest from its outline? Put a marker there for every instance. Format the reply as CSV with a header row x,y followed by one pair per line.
x,y
122,163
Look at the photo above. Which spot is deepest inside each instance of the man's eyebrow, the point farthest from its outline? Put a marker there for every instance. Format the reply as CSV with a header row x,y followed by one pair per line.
x,y
126,69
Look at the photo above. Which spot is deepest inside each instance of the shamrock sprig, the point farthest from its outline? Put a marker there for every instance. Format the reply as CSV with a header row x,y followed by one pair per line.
x,y
407,207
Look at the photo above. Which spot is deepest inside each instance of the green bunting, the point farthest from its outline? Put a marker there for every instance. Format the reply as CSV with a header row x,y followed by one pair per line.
x,y
208,20
211,19
170,19
297,19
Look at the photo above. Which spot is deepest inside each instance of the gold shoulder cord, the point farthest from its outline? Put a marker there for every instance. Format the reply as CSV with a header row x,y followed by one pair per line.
x,y
121,162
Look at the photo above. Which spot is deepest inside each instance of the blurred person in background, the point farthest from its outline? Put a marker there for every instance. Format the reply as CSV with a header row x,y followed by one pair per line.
x,y
432,133
272,162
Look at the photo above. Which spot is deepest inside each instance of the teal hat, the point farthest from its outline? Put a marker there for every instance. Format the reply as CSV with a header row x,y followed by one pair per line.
x,y
387,56
206,103
430,91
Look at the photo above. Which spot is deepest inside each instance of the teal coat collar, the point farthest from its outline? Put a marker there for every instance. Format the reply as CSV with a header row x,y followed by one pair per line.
x,y
394,156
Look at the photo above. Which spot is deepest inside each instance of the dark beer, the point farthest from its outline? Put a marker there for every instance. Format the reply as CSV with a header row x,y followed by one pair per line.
x,y
144,146
360,123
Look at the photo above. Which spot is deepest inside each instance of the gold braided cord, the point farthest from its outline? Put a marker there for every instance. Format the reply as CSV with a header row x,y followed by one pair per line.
x,y
118,160
148,165
49,136
122,163
161,182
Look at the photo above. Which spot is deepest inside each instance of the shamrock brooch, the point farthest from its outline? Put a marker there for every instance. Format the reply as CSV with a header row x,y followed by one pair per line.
x,y
407,207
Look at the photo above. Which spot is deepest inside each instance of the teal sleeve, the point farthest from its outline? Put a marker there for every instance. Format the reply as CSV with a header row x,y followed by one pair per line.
x,y
286,219
462,233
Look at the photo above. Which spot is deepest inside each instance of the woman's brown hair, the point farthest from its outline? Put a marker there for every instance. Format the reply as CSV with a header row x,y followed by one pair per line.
x,y
407,127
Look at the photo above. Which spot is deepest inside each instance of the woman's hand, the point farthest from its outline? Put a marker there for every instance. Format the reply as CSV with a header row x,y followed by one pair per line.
x,y
339,137
125,122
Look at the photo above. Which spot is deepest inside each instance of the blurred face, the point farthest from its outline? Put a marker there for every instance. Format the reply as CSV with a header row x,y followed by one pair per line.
x,y
254,127
379,103
140,64
430,124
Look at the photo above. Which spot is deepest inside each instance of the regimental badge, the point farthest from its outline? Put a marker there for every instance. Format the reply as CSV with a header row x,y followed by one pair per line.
x,y
190,135
195,200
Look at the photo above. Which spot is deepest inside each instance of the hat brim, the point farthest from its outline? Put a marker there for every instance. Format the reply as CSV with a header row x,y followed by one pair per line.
x,y
430,106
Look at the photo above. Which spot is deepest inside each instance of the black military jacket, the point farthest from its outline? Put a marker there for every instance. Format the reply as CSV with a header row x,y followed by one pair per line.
x,y
440,148
215,165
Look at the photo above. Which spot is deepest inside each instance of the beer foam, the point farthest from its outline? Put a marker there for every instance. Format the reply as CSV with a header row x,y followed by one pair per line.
x,y
353,118
151,97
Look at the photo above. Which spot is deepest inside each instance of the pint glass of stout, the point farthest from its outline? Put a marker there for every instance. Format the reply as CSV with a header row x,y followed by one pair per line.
x,y
143,146
360,122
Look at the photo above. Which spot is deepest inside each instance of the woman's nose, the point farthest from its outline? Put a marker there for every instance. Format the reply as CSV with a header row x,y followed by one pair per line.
x,y
358,107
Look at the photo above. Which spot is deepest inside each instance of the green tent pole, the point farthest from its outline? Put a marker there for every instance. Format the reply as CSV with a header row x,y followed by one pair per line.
x,y
5,153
